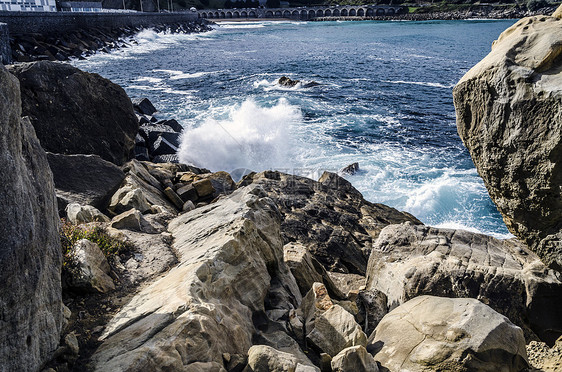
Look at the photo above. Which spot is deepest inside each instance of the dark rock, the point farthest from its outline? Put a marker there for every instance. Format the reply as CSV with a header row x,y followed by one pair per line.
x,y
172,123
174,198
169,158
165,144
143,120
75,112
330,218
151,132
286,82
187,193
144,106
141,153
85,179
351,169
140,141
31,316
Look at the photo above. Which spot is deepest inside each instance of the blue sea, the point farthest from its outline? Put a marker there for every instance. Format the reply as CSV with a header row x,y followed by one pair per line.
x,y
384,100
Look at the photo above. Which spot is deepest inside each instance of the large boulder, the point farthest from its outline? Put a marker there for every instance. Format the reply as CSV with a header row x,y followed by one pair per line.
x,y
230,255
509,116
30,252
408,261
329,217
84,179
448,334
88,268
75,112
262,358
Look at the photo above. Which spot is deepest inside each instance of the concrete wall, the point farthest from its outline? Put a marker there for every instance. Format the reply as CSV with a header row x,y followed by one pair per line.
x,y
61,22
5,51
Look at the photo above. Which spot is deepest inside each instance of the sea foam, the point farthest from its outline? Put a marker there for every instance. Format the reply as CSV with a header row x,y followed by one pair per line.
x,y
252,136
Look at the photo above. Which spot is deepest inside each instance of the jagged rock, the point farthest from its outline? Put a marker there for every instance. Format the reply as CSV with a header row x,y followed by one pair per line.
x,y
130,220
187,193
168,158
307,270
229,253
173,197
141,153
144,106
172,123
75,112
30,253
127,198
509,116
263,358
165,144
431,333
543,358
84,179
330,218
354,358
334,330
372,307
78,214
351,169
316,301
71,342
287,82
347,282
89,268
204,188
408,261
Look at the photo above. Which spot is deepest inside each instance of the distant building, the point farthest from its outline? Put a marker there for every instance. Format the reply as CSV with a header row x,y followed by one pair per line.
x,y
28,5
80,6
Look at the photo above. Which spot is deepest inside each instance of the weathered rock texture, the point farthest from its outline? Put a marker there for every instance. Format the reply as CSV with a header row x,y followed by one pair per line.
x,y
509,116
75,112
408,261
229,274
329,217
448,334
30,253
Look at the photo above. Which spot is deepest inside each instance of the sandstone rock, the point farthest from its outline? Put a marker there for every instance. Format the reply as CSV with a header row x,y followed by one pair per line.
x,y
89,268
130,220
435,333
78,214
188,206
85,179
316,301
75,112
331,218
229,253
354,358
204,188
334,330
173,197
347,282
408,261
71,342
30,253
127,198
509,116
543,358
263,358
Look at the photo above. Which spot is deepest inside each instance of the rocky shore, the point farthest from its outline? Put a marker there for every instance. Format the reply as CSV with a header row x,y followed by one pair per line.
x,y
83,43
117,258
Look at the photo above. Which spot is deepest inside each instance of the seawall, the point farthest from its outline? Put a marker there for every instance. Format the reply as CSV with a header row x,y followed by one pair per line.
x,y
62,22
5,50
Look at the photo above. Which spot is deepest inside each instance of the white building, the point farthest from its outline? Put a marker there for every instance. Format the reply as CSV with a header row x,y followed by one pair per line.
x,y
28,5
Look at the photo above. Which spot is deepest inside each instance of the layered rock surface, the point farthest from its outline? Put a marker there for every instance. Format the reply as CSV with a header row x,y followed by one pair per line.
x,y
409,261
75,112
509,116
445,334
30,254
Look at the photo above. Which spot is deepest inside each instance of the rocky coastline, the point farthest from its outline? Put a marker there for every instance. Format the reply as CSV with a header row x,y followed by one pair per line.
x,y
115,257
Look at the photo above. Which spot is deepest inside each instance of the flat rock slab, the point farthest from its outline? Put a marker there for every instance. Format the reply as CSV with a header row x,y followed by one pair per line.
x,y
408,261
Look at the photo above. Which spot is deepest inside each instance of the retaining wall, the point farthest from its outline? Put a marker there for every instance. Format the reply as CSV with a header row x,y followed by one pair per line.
x,y
61,22
5,51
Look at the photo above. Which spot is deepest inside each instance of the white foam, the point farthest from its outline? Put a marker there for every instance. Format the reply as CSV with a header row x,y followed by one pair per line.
x,y
252,136
460,226
177,75
422,83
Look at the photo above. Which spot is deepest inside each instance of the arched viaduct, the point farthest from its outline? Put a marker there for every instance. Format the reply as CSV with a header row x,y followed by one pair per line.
x,y
305,13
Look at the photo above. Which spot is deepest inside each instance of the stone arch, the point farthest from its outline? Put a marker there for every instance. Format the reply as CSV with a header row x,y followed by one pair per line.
x,y
380,11
344,12
286,14
352,12
370,12
235,15
217,15
203,15
211,15
327,13
319,13
360,12
295,14
390,11
311,14
244,14
222,15
252,14
269,14
336,13
278,14
228,14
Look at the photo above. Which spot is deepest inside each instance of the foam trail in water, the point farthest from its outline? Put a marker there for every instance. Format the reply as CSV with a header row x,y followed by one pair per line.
x,y
251,137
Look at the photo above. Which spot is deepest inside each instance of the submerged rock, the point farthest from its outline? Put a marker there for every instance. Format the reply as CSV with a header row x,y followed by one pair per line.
x,y
31,315
75,112
509,116
448,334
408,261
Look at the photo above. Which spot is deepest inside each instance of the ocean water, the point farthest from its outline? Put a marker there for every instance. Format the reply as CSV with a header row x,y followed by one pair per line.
x,y
384,100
